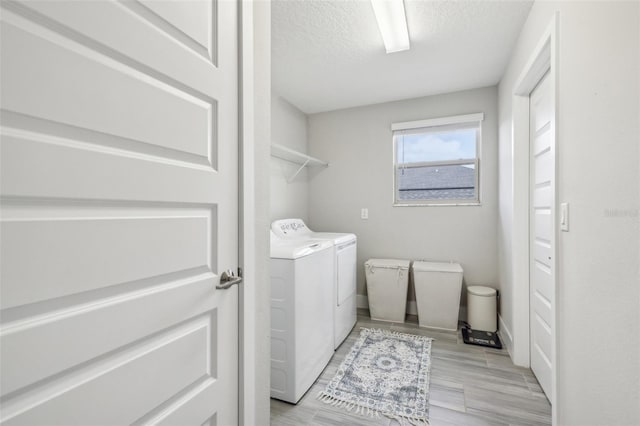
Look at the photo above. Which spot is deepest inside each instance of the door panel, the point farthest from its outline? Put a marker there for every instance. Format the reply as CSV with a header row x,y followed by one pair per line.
x,y
543,167
183,63
56,334
126,103
542,280
542,196
118,207
50,164
76,254
542,141
542,252
87,397
183,15
542,222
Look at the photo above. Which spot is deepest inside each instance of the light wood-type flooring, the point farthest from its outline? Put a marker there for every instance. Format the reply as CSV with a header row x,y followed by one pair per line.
x,y
470,385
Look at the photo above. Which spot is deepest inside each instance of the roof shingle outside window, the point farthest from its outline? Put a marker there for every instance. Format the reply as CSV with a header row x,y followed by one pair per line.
x,y
436,182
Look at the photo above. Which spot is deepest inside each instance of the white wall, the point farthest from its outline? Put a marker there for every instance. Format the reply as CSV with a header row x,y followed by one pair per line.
x,y
357,143
598,306
288,128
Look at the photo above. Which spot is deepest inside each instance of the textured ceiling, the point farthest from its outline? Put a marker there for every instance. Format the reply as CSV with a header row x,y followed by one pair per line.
x,y
329,55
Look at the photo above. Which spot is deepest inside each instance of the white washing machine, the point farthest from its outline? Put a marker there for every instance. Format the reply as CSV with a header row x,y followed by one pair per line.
x,y
345,252
301,314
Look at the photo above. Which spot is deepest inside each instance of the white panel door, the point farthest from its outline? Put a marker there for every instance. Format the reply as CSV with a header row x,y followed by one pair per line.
x,y
119,199
542,281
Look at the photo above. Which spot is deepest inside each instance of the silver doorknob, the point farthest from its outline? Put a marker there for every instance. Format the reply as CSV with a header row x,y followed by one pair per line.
x,y
229,278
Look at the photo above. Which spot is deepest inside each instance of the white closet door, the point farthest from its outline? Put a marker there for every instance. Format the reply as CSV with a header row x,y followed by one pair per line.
x,y
119,199
542,281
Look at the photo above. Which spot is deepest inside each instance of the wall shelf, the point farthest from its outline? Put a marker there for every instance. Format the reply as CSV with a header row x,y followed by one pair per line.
x,y
293,156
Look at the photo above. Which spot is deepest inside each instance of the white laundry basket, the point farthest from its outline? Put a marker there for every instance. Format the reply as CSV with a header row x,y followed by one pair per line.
x,y
387,282
438,290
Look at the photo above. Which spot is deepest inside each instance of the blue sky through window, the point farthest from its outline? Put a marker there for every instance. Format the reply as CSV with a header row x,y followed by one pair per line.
x,y
443,146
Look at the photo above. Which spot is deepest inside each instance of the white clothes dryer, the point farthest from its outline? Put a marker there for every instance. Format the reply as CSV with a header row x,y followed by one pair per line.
x,y
301,314
345,253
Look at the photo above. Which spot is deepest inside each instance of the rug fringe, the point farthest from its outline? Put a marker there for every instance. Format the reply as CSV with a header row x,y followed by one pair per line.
x,y
368,411
412,421
396,333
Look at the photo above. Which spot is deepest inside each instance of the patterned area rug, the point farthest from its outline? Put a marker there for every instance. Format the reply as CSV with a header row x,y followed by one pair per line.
x,y
384,373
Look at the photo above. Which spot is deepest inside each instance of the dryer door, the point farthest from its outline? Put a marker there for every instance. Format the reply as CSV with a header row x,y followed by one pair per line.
x,y
346,270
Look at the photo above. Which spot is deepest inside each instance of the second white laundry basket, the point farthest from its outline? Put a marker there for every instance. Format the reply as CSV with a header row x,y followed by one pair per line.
x,y
387,281
438,289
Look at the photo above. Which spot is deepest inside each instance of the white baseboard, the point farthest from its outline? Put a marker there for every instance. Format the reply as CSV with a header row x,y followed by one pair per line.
x,y
362,301
412,308
505,336
462,315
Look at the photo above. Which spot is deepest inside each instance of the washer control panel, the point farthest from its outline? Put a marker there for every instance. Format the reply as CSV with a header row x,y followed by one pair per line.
x,y
290,228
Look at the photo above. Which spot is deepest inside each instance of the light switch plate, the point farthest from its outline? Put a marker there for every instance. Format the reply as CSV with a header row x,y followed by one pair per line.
x,y
564,217
364,213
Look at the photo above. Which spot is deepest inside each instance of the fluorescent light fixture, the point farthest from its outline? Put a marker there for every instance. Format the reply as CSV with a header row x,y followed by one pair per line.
x,y
392,22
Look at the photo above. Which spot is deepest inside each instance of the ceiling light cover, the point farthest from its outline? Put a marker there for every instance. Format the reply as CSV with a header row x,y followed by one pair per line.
x,y
392,22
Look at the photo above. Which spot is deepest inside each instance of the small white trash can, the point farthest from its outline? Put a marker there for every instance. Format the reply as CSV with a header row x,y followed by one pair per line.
x,y
438,289
387,282
481,308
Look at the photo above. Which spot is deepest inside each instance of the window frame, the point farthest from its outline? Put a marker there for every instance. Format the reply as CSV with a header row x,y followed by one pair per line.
x,y
429,124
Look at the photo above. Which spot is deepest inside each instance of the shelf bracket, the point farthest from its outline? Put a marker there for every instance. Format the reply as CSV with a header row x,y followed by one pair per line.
x,y
293,176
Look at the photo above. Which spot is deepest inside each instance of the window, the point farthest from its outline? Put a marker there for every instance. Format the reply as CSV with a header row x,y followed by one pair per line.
x,y
437,161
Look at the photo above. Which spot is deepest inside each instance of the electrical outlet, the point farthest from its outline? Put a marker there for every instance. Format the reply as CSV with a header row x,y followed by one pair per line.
x,y
364,213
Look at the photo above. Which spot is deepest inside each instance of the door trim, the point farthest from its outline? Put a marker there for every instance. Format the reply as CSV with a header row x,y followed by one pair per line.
x,y
543,59
246,212
254,114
